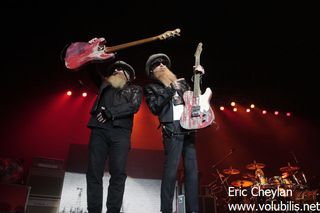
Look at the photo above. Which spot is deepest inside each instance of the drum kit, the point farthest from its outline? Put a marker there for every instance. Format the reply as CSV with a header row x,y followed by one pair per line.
x,y
291,177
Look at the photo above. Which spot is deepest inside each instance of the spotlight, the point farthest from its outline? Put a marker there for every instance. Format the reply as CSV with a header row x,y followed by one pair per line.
x,y
288,114
235,109
264,112
276,113
248,110
233,103
222,108
252,106
84,94
69,93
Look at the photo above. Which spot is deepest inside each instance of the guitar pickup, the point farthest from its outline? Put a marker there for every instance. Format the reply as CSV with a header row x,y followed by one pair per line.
x,y
195,112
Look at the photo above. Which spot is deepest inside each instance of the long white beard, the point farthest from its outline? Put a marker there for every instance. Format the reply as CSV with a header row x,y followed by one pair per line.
x,y
165,76
116,81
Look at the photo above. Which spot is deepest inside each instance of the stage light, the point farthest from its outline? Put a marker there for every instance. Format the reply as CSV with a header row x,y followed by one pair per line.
x,y
288,114
84,94
235,109
264,112
252,106
233,103
248,110
276,113
221,108
69,93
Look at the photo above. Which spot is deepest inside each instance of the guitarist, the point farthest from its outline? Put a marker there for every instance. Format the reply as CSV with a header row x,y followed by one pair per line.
x,y
111,126
164,99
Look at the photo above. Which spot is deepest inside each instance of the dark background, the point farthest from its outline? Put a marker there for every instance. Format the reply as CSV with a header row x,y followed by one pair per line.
x,y
262,53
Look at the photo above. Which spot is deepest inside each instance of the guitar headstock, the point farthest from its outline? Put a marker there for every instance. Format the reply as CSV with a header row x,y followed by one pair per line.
x,y
169,34
198,51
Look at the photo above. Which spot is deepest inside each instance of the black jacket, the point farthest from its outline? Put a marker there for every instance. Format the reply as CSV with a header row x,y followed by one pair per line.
x,y
159,99
126,103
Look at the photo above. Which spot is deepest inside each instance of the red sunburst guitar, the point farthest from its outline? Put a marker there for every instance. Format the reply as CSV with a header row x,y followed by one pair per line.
x,y
197,112
81,53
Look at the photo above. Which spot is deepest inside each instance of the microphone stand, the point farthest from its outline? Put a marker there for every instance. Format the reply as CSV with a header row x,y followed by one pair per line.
x,y
223,159
215,198
297,162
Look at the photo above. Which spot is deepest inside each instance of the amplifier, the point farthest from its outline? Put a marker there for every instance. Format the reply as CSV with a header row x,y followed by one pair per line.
x,y
42,205
13,197
208,204
45,182
49,163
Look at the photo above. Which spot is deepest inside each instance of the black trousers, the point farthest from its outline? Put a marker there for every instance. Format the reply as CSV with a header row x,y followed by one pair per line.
x,y
112,144
175,145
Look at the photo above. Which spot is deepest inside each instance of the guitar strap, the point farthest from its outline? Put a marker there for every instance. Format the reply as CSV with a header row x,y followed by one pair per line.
x,y
172,132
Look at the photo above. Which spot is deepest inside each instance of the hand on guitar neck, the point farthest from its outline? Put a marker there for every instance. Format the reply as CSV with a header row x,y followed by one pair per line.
x,y
198,69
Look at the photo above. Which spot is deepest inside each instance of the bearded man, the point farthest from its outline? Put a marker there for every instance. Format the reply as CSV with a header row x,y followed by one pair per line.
x,y
111,125
164,99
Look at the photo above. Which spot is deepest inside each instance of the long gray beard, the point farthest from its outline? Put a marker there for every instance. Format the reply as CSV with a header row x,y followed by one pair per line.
x,y
116,81
165,76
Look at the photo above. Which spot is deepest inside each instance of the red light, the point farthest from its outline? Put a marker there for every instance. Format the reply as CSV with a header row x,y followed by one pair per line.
x,y
276,113
288,114
264,112
84,94
69,93
221,108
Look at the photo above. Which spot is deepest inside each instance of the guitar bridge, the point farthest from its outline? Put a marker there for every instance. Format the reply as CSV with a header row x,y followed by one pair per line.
x,y
195,112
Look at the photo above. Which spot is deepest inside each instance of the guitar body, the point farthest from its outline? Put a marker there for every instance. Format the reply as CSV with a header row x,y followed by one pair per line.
x,y
81,53
197,112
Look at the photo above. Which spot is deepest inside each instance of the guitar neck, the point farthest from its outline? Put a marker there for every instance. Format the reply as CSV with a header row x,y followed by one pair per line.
x,y
130,44
196,83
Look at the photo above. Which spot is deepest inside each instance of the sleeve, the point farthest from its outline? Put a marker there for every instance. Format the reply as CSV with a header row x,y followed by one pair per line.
x,y
156,100
129,108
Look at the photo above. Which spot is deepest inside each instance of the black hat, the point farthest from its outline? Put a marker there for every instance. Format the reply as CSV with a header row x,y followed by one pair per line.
x,y
126,67
156,58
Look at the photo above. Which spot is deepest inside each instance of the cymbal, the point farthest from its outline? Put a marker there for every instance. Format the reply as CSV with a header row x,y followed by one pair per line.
x,y
231,171
289,168
254,166
242,183
285,174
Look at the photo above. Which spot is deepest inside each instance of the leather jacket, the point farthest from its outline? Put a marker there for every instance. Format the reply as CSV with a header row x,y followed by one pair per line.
x,y
159,99
126,103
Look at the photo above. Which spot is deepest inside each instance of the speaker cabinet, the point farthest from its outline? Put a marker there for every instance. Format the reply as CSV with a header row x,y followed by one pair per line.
x,y
45,182
13,197
42,205
207,204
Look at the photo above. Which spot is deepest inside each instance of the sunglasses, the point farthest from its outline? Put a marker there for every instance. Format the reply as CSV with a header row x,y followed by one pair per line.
x,y
120,70
156,64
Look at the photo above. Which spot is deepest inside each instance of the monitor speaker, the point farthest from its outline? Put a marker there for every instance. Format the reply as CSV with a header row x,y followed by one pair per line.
x,y
45,182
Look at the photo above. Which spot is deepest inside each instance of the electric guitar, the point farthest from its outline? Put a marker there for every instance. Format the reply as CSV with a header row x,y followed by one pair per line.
x,y
81,53
197,112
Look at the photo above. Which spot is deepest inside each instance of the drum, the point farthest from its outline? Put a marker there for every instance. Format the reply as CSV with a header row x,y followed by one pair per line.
x,y
275,181
287,183
306,196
